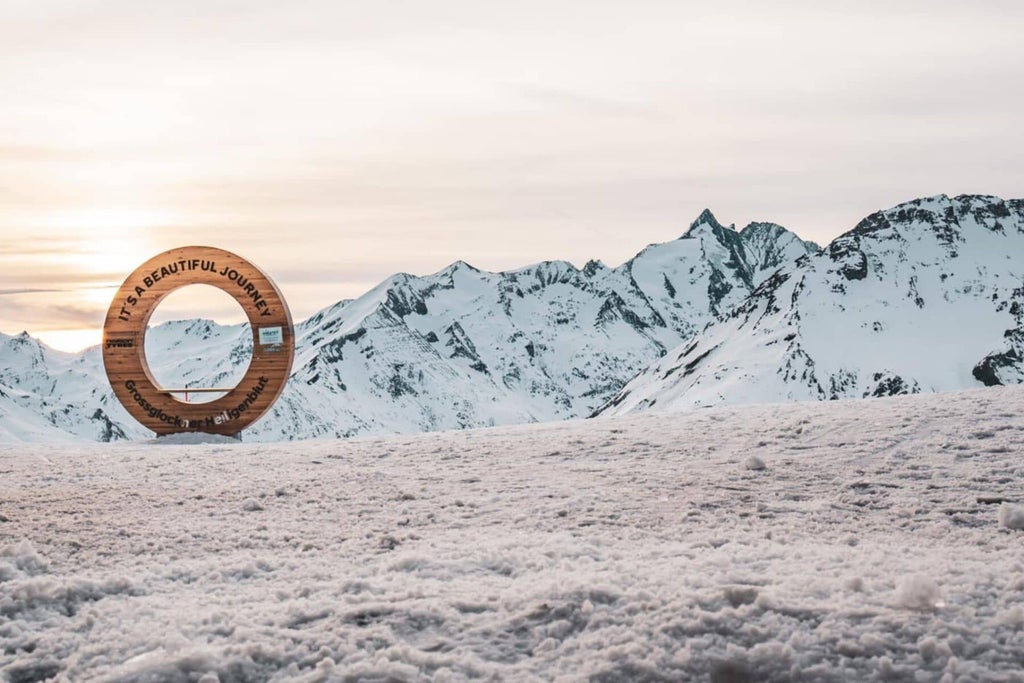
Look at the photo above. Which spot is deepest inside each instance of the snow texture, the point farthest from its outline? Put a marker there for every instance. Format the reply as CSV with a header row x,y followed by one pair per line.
x,y
882,543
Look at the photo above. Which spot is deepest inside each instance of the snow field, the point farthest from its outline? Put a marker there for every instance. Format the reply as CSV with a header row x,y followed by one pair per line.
x,y
850,540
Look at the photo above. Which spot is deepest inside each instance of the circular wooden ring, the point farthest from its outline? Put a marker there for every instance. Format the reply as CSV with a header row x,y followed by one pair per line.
x,y
124,347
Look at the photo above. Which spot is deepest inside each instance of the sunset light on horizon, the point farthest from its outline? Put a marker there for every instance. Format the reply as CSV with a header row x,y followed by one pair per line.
x,y
337,143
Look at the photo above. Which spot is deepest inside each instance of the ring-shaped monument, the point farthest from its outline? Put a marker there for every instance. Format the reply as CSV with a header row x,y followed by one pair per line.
x,y
124,347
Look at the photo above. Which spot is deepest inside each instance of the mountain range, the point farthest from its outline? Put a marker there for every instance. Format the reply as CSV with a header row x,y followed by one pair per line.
x,y
925,296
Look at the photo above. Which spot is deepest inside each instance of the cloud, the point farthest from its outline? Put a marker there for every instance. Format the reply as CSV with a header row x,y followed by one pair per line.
x,y
50,315
402,137
15,152
580,102
8,292
30,243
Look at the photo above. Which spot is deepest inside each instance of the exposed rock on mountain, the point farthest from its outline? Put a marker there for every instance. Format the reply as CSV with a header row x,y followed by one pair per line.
x,y
925,296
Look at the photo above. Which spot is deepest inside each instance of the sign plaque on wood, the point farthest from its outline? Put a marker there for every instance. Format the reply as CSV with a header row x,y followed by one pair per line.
x,y
124,348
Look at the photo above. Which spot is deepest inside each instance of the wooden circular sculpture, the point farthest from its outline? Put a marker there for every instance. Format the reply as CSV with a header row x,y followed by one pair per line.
x,y
124,348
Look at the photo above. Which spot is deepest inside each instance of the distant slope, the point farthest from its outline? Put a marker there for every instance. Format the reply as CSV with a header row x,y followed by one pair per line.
x,y
925,296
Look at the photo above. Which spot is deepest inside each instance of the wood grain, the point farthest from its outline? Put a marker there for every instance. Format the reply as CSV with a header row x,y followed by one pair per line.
x,y
124,348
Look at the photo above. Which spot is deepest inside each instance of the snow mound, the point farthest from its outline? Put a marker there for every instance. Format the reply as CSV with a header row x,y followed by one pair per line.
x,y
918,592
754,463
20,559
1011,516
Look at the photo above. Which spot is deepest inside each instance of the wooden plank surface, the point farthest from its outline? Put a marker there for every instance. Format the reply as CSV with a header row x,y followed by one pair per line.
x,y
124,349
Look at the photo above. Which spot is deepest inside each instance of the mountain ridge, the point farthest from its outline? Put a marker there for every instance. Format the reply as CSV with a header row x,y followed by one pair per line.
x,y
464,347
870,315
458,348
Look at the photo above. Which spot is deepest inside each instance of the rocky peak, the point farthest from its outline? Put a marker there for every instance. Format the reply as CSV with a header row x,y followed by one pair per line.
x,y
769,246
593,266
460,265
949,223
705,221
22,346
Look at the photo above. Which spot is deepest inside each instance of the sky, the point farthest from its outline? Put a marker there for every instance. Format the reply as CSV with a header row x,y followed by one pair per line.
x,y
334,143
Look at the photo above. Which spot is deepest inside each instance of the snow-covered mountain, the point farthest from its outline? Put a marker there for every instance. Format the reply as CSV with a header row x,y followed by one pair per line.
x,y
459,348
48,395
925,296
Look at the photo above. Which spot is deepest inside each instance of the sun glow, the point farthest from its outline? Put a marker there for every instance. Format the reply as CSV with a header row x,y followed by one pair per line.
x,y
108,218
108,240
66,265
71,341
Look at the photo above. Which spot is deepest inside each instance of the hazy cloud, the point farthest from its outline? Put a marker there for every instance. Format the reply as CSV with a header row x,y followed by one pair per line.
x,y
49,313
8,292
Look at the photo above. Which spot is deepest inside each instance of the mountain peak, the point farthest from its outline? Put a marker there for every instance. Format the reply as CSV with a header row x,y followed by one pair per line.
x,y
705,218
946,217
593,266
23,338
762,227
459,265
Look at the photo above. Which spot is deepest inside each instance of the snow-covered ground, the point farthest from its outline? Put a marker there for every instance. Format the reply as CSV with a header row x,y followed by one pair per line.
x,y
852,540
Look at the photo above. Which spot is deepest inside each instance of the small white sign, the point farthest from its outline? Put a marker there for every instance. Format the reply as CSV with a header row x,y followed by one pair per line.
x,y
271,335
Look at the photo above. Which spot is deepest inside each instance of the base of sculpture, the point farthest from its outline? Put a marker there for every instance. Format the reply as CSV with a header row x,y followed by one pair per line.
x,y
187,438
